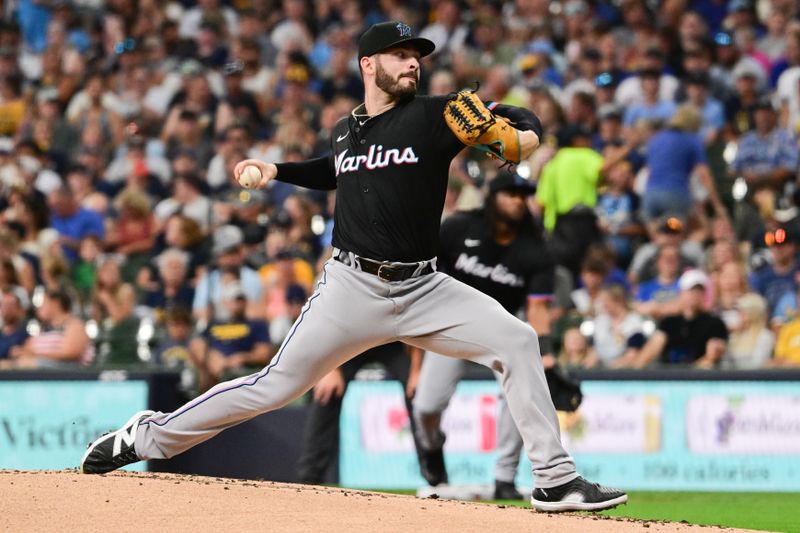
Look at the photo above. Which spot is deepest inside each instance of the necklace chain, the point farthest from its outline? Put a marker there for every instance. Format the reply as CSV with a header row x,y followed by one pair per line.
x,y
359,116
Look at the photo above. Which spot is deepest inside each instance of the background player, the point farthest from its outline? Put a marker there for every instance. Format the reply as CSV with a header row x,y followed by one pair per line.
x,y
500,251
389,165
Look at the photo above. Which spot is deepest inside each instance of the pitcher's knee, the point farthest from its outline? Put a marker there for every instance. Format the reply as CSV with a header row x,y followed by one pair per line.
x,y
525,341
521,347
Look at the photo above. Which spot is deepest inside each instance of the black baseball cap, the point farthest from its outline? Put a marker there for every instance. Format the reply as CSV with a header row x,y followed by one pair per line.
x,y
508,181
697,78
763,103
385,35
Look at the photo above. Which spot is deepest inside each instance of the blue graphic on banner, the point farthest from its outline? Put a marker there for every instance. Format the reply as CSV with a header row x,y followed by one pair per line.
x,y
710,435
47,424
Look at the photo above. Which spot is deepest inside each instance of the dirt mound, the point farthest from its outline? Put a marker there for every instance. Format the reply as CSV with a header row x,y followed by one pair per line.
x,y
137,502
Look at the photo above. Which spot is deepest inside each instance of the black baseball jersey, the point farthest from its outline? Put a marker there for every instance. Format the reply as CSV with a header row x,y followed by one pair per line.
x,y
508,273
390,172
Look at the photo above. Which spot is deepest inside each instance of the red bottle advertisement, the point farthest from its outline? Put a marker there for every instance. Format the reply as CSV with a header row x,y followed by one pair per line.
x,y
488,422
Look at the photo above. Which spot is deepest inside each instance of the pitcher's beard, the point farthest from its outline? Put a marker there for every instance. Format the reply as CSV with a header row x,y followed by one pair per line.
x,y
392,87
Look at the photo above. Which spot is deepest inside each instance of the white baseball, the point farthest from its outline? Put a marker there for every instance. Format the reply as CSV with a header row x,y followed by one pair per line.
x,y
250,177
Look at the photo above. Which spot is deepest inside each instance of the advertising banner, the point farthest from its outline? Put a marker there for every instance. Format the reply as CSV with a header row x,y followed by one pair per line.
x,y
48,424
747,424
728,436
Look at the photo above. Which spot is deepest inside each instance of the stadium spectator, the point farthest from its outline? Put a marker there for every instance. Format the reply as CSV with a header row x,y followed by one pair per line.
x,y
232,343
12,106
731,61
605,87
730,284
575,350
751,342
779,277
652,87
185,131
17,268
185,234
691,337
193,18
697,60
587,68
670,231
618,331
281,324
618,212
171,288
658,297
448,33
592,276
132,235
94,104
787,347
609,128
786,73
674,154
72,222
81,182
235,138
285,270
172,351
487,48
62,341
228,251
133,164
14,304
711,110
187,199
652,107
112,307
740,107
773,43
84,271
767,157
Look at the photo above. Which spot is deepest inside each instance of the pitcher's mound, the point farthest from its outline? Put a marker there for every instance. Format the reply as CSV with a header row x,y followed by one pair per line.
x,y
138,502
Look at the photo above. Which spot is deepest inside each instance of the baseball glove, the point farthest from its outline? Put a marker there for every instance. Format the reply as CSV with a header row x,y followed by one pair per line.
x,y
476,126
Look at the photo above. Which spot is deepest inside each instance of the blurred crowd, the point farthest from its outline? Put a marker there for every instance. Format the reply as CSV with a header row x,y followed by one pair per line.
x,y
667,175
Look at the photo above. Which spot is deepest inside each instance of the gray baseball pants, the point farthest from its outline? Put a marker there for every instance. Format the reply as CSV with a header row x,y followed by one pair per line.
x,y
437,384
352,311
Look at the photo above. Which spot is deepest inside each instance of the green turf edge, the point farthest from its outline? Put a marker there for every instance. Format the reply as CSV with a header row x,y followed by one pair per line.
x,y
765,511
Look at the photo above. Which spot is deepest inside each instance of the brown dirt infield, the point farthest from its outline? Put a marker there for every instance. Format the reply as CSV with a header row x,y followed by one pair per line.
x,y
144,502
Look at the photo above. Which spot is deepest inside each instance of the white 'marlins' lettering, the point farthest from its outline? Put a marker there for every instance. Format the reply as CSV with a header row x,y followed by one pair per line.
x,y
498,273
376,157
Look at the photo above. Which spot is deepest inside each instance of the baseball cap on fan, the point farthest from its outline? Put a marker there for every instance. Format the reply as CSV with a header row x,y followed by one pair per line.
x,y
692,279
385,35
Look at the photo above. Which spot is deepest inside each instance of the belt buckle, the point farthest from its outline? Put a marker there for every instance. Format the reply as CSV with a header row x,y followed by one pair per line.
x,y
380,270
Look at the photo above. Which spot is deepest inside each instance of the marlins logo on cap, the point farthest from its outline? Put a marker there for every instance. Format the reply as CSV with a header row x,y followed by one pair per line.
x,y
384,35
404,29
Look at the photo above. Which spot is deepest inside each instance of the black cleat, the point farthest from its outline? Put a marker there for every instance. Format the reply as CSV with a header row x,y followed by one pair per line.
x,y
504,490
577,495
431,466
113,450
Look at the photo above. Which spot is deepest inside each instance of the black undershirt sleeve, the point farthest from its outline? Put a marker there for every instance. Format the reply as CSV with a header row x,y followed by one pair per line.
x,y
521,118
312,174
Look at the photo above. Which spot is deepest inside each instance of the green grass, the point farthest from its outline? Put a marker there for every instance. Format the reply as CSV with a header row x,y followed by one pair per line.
x,y
773,511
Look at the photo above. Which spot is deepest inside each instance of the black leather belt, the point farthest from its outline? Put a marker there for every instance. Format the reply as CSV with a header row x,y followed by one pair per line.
x,y
385,271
